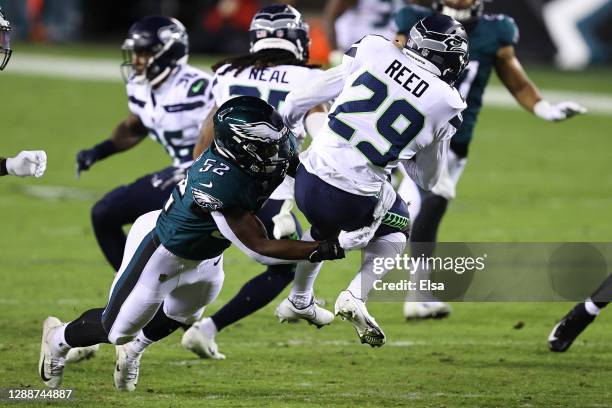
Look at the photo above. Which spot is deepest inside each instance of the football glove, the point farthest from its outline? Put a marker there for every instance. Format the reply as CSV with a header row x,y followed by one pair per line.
x,y
284,224
27,163
86,158
327,250
557,112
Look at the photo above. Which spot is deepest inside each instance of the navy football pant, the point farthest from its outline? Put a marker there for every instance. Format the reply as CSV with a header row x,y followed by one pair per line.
x,y
124,204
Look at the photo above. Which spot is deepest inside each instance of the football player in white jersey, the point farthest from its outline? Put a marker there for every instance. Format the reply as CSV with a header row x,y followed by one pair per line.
x,y
26,163
347,21
393,105
275,65
167,99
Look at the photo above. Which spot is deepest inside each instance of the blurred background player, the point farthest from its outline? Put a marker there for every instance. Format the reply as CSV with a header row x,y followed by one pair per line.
x,y
347,21
5,40
275,65
167,99
392,105
569,328
26,163
173,264
492,39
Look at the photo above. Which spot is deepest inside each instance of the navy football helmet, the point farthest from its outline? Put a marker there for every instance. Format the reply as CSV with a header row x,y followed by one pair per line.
x,y
5,40
164,42
440,44
280,27
466,15
249,132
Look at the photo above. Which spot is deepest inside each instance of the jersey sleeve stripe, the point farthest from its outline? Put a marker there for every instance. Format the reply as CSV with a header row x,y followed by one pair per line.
x,y
456,122
183,106
136,101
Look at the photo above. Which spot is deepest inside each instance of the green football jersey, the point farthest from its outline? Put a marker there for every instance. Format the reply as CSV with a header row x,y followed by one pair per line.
x,y
490,33
213,183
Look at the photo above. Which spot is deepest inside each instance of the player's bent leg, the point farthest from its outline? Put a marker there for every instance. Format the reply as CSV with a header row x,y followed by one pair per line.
x,y
350,304
424,232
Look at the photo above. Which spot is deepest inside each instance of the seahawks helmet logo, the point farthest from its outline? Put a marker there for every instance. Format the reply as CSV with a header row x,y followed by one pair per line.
x,y
455,44
205,200
259,131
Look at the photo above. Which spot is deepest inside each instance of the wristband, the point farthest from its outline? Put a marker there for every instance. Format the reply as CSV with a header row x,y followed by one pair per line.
x,y
105,149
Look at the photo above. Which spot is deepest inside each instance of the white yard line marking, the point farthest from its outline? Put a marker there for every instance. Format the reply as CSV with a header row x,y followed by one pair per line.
x,y
108,71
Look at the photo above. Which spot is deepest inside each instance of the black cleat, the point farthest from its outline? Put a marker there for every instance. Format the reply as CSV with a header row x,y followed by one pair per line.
x,y
565,332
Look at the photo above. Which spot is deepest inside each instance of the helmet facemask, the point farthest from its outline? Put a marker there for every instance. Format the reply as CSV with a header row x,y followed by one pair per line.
x,y
5,41
280,27
164,50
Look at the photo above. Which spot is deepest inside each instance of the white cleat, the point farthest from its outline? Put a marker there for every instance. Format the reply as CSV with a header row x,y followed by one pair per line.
x,y
201,344
313,313
350,308
51,362
78,354
426,310
127,368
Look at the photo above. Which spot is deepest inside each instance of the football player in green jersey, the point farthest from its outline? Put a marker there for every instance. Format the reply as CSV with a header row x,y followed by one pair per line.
x,y
173,261
492,39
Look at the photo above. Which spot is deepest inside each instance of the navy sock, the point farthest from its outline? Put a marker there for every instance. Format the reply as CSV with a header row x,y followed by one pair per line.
x,y
86,330
254,295
160,326
425,227
603,294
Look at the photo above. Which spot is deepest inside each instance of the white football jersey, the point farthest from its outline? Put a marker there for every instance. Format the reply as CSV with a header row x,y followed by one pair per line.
x,y
366,17
388,110
174,112
272,84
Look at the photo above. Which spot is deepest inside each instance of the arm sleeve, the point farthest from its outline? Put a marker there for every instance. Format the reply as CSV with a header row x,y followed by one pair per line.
x,y
227,232
426,166
508,31
322,89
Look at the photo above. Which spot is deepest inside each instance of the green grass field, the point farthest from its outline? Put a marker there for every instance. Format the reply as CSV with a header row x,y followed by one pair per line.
x,y
527,181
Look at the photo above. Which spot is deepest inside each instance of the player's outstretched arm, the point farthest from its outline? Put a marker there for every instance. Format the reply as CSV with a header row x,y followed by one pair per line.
x,y
207,133
126,135
514,77
26,163
245,231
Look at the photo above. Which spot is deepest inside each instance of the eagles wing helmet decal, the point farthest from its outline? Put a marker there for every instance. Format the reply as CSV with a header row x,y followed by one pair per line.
x,y
205,200
260,131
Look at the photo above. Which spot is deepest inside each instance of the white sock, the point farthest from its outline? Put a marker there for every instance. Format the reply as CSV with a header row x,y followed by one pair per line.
x,y
207,327
58,341
305,275
139,344
388,246
591,307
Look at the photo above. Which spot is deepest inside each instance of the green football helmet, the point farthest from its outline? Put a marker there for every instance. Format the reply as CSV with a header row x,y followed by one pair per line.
x,y
249,132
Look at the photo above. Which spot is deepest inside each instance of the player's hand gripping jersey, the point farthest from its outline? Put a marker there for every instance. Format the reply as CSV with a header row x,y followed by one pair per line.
x,y
387,110
486,36
173,113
